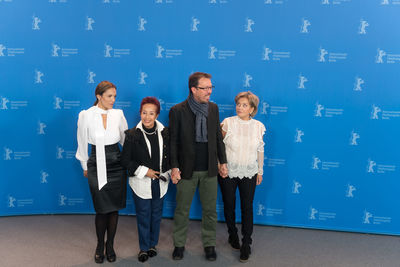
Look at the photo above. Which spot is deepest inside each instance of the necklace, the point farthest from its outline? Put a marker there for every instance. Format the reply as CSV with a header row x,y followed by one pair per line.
x,y
155,130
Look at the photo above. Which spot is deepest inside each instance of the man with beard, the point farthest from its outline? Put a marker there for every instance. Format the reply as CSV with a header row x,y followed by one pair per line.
x,y
196,148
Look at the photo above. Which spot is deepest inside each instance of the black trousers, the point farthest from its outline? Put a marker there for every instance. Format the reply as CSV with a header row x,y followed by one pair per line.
x,y
247,187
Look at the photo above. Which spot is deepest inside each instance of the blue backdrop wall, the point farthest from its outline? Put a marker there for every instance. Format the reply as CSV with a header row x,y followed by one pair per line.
x,y
326,72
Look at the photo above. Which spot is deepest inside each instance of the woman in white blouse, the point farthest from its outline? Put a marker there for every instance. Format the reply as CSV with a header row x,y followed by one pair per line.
x,y
103,127
243,138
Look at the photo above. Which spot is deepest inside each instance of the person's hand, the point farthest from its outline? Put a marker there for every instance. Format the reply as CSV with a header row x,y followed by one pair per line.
x,y
223,170
85,174
175,175
259,179
152,174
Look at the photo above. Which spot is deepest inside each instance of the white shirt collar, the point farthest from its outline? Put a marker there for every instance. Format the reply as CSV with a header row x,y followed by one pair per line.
x,y
160,126
100,110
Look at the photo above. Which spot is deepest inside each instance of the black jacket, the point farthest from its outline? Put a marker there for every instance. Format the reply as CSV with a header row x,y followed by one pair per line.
x,y
135,151
182,139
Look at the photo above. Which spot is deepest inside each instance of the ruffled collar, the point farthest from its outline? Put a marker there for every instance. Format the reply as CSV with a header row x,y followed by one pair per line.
x,y
243,121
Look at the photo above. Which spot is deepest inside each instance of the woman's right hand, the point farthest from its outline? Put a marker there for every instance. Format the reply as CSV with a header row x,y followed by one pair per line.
x,y
85,174
152,174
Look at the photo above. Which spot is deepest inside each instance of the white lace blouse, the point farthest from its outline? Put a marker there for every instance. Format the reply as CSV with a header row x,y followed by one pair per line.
x,y
244,146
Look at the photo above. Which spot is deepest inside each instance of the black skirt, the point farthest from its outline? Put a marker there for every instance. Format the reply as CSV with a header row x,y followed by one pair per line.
x,y
112,196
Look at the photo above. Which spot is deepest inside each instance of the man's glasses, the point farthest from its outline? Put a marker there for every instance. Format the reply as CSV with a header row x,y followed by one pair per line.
x,y
206,88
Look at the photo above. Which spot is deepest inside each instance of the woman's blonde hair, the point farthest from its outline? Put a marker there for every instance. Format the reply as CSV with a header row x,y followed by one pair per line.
x,y
253,100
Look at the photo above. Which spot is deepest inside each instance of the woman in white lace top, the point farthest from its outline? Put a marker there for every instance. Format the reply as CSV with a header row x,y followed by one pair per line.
x,y
243,138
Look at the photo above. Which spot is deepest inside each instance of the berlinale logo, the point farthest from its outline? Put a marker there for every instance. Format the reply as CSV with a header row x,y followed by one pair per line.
x,y
357,84
265,54
298,136
38,76
304,26
43,177
302,80
248,25
353,138
247,79
142,77
362,28
375,112
2,48
194,24
11,201
7,153
35,23
3,103
322,54
379,56
312,213
107,50
90,77
41,126
54,50
141,23
296,186
367,216
349,191
89,23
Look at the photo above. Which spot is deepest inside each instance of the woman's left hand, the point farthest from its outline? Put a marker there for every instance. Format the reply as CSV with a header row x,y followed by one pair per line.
x,y
259,179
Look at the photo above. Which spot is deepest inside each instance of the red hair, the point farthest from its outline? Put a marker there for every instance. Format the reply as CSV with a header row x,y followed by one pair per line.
x,y
150,100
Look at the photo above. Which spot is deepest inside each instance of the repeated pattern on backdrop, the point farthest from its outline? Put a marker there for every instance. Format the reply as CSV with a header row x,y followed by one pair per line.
x,y
326,72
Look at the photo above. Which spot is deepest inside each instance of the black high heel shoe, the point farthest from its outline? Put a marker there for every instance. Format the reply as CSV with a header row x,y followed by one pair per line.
x,y
111,257
99,254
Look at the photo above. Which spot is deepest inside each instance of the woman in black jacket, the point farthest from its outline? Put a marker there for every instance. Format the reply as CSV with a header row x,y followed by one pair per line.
x,y
146,156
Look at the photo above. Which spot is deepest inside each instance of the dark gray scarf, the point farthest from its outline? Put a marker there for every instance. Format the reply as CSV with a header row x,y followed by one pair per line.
x,y
201,112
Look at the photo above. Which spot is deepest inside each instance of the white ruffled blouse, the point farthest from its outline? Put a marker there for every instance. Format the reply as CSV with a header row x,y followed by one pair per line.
x,y
244,146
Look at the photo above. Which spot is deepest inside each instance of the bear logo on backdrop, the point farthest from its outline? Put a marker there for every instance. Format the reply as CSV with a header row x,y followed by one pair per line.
x,y
41,127
358,82
90,77
363,26
43,177
194,24
142,77
11,201
35,23
296,187
7,153
141,23
4,102
349,191
298,136
38,76
89,23
304,26
302,81
2,48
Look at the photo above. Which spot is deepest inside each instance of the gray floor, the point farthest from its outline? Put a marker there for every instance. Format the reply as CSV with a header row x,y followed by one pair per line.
x,y
69,240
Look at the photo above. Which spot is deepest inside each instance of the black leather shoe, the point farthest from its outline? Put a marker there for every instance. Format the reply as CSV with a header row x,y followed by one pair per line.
x,y
111,257
211,255
234,241
142,257
152,252
245,252
99,254
178,253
